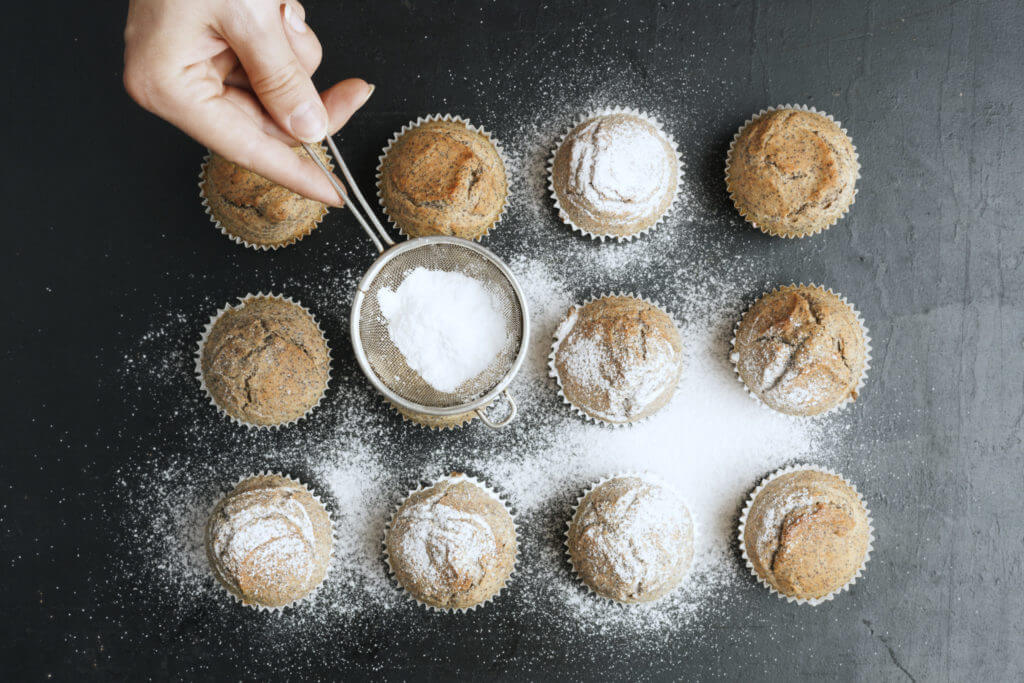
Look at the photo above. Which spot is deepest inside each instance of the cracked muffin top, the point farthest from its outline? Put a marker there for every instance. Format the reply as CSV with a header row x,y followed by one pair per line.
x,y
801,350
269,541
807,534
256,210
452,545
615,174
443,178
792,173
617,359
265,362
631,540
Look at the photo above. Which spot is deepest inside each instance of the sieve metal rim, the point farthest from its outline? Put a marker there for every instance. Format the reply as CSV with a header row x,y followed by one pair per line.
x,y
360,353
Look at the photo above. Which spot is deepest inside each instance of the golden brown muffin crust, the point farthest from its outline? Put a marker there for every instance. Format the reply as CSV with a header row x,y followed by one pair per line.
x,y
255,209
620,358
265,362
807,534
801,350
441,178
792,172
269,541
452,545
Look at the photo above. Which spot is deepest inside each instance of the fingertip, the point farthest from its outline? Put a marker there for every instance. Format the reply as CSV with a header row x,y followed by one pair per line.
x,y
344,99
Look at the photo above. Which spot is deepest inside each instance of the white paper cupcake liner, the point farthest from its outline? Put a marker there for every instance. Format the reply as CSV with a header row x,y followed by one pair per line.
x,y
209,328
238,240
647,477
734,355
728,161
564,215
743,525
563,330
391,520
308,597
455,119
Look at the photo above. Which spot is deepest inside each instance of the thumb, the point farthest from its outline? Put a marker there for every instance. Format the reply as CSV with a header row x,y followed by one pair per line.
x,y
277,77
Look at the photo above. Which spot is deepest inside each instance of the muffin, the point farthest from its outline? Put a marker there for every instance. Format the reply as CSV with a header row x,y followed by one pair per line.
x,y
436,421
614,175
792,172
264,362
442,176
617,359
255,211
630,540
269,541
806,534
802,350
451,546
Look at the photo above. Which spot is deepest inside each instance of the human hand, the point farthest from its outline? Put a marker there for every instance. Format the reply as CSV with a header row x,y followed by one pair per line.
x,y
235,75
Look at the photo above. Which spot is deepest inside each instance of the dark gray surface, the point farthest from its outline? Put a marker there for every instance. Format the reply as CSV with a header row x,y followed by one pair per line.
x,y
100,206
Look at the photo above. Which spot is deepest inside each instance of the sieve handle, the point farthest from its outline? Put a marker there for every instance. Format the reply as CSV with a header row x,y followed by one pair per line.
x,y
512,410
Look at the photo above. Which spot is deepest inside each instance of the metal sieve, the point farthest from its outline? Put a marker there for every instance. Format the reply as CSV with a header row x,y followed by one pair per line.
x,y
383,363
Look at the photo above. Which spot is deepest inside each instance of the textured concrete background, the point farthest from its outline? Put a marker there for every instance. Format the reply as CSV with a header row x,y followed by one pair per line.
x,y
102,220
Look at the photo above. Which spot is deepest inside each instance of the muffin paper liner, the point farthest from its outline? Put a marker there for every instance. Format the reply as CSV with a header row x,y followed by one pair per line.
x,y
728,161
564,215
308,597
734,356
456,119
209,328
454,478
560,335
651,479
238,240
743,524
439,422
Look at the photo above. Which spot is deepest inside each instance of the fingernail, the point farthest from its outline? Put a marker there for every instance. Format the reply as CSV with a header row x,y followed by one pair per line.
x,y
309,122
369,93
297,24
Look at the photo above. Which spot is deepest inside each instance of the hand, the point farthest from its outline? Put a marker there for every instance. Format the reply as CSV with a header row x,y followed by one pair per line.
x,y
235,75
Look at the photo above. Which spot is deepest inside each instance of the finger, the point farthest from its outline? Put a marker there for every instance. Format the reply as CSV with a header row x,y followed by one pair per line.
x,y
220,124
304,42
344,99
275,73
249,105
306,47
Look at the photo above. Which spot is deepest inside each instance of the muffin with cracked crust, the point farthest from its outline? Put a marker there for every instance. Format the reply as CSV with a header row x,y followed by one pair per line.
x,y
269,541
806,533
265,362
615,175
617,359
791,172
255,210
452,545
801,350
631,540
441,177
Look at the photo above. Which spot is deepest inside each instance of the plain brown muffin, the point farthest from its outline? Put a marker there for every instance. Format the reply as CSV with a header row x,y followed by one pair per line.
x,y
452,545
792,173
631,540
269,541
265,362
615,175
807,534
256,210
801,350
442,178
618,359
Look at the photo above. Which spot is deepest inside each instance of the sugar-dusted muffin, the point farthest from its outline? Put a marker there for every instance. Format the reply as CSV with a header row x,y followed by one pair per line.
x,y
806,533
265,362
442,176
617,359
452,546
615,175
631,540
255,211
269,541
802,350
792,172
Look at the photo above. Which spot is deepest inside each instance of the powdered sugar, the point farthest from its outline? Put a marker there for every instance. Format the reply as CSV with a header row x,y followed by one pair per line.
x,y
448,325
